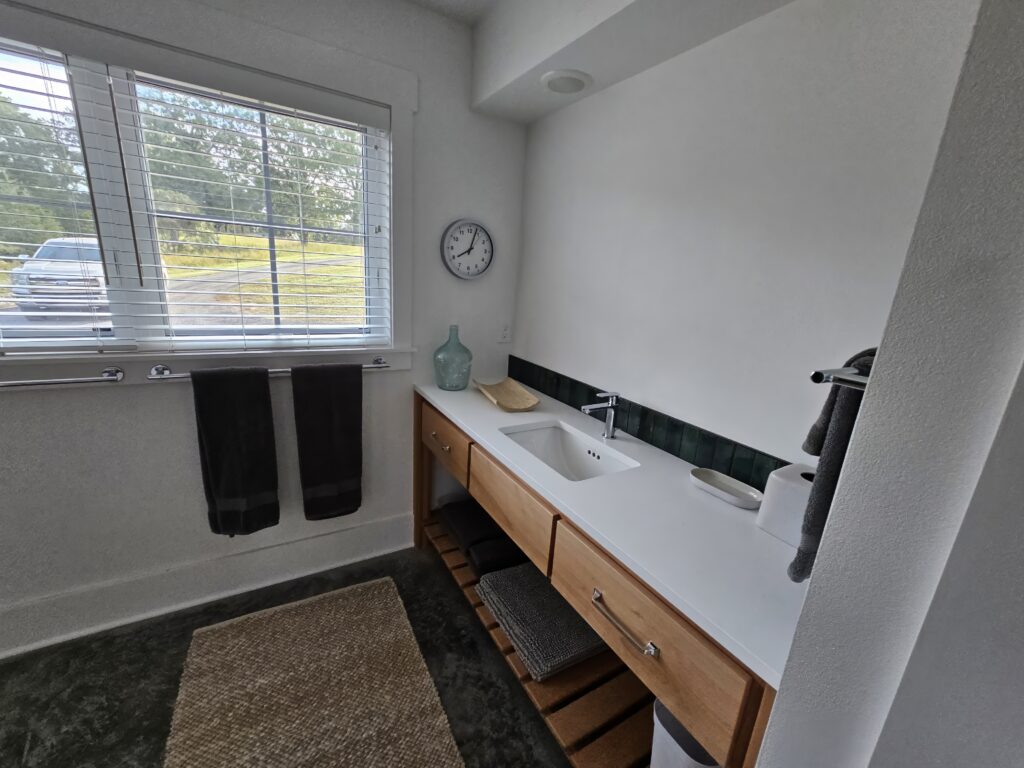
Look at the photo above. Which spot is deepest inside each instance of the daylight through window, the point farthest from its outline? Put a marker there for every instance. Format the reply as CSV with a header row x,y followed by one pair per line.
x,y
193,218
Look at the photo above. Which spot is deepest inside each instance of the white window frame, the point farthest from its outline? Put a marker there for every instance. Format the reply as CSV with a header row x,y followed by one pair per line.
x,y
274,75
149,266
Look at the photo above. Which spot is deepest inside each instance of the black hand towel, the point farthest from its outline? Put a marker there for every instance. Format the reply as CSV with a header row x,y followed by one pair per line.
x,y
329,429
236,448
840,415
468,523
494,555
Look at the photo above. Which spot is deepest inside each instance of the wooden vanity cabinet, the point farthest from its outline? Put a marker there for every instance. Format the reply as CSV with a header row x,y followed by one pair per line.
x,y
718,700
528,520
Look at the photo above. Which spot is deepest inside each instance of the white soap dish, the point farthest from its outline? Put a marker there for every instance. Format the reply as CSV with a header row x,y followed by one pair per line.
x,y
726,488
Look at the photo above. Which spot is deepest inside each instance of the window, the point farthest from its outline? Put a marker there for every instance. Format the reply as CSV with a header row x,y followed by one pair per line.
x,y
192,219
50,271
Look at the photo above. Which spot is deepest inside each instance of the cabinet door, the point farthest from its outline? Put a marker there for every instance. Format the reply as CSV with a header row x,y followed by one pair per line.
x,y
702,686
524,517
447,442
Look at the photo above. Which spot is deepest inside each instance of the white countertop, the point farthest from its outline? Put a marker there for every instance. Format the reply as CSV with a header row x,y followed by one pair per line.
x,y
704,556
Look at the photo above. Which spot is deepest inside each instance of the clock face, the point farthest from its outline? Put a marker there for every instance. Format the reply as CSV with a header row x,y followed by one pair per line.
x,y
466,249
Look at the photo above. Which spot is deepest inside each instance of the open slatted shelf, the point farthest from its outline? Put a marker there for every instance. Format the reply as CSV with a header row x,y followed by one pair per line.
x,y
599,711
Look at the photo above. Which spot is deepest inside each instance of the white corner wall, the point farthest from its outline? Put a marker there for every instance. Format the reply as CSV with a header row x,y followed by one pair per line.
x,y
959,703
103,517
932,481
703,235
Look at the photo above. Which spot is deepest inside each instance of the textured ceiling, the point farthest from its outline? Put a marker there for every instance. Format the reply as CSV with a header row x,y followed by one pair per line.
x,y
468,11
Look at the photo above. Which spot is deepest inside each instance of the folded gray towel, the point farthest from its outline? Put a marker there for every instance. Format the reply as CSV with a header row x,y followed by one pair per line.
x,y
547,633
840,415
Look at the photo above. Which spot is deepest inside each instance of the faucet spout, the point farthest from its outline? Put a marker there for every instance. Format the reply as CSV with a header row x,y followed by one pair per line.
x,y
609,408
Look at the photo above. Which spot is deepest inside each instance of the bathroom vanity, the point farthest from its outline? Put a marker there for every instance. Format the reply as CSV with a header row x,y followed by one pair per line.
x,y
684,588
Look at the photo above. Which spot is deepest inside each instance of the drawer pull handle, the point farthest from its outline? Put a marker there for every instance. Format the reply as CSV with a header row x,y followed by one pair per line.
x,y
446,448
647,649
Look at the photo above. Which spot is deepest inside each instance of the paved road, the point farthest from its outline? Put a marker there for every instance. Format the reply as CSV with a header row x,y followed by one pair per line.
x,y
18,324
202,292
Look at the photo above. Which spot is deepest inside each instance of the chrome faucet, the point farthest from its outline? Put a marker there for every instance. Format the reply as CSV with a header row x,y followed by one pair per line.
x,y
609,412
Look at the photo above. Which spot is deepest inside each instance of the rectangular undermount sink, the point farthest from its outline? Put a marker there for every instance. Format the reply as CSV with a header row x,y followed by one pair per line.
x,y
571,453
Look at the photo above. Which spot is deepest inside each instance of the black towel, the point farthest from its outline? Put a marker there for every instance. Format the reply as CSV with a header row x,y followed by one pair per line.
x,y
236,448
494,555
329,430
468,523
840,415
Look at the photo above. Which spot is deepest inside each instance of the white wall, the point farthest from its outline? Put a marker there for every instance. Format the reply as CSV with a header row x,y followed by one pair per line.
x,y
703,235
923,472
959,702
103,516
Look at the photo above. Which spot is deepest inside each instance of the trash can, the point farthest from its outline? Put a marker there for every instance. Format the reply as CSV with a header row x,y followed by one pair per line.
x,y
673,746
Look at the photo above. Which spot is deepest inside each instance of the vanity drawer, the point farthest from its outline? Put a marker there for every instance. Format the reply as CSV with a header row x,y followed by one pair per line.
x,y
525,518
447,442
702,686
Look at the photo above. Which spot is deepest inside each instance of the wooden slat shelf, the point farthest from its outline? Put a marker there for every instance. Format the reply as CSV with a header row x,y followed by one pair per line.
x,y
559,690
598,711
486,617
501,640
472,596
453,559
464,576
445,544
619,697
517,666
628,743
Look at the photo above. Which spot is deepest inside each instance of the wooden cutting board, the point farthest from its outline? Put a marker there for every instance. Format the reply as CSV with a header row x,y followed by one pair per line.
x,y
508,395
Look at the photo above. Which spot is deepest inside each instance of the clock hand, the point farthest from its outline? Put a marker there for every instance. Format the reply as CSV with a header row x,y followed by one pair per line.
x,y
471,242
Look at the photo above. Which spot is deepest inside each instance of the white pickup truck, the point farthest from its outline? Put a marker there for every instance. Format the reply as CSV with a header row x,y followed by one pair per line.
x,y
65,274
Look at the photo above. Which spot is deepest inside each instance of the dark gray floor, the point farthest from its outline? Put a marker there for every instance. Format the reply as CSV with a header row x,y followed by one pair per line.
x,y
106,700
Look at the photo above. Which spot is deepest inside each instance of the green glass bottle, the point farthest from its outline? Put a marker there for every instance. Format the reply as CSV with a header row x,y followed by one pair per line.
x,y
452,362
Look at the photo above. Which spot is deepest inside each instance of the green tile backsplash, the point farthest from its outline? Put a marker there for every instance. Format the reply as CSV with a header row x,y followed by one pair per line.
x,y
693,444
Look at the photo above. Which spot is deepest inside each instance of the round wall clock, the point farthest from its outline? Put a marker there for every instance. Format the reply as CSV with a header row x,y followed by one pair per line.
x,y
466,249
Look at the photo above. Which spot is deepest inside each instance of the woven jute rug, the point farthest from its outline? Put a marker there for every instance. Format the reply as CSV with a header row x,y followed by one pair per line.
x,y
335,680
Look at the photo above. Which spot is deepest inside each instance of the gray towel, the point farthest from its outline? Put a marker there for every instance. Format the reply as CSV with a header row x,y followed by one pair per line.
x,y
547,633
815,440
839,415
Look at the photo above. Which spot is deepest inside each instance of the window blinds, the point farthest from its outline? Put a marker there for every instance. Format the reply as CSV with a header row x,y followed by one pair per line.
x,y
45,209
229,223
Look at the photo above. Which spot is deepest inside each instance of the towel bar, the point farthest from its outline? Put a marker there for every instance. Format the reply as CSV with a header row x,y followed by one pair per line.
x,y
844,377
164,373
107,376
